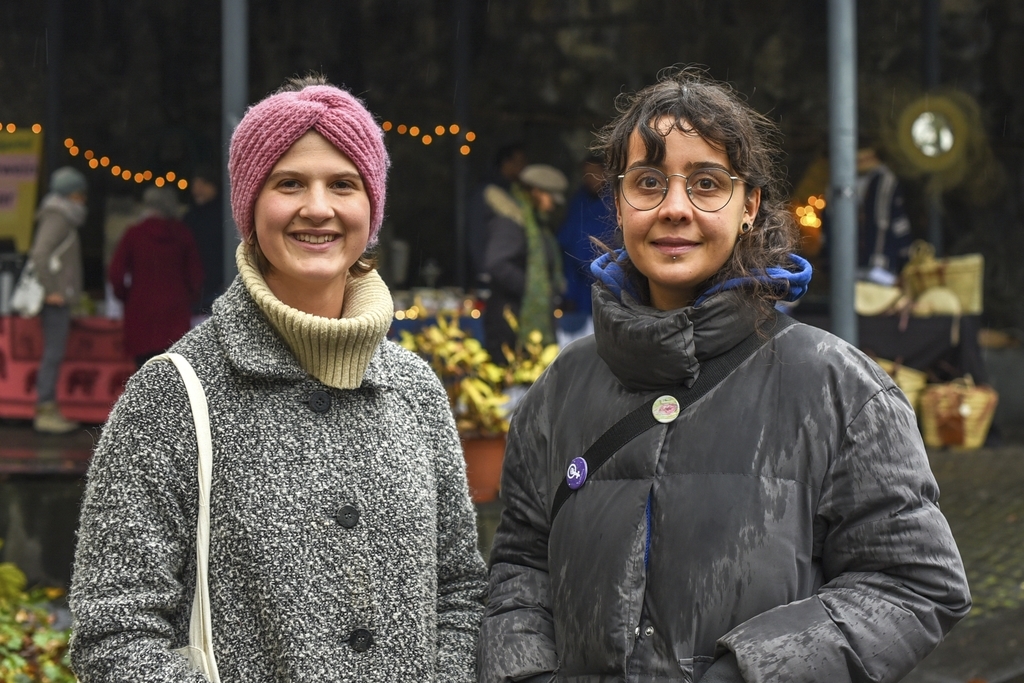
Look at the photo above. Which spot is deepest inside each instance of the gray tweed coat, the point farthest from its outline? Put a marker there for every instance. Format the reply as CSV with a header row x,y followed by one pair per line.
x,y
343,544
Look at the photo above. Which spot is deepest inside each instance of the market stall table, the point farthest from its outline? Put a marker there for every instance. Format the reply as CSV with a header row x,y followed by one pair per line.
x,y
92,376
945,347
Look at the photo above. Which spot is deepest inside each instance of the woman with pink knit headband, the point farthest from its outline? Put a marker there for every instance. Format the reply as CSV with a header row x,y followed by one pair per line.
x,y
342,542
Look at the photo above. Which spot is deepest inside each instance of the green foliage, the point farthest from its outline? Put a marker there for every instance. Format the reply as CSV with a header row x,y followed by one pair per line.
x,y
31,650
475,384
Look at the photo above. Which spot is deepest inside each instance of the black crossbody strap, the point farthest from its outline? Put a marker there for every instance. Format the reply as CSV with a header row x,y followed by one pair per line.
x,y
712,372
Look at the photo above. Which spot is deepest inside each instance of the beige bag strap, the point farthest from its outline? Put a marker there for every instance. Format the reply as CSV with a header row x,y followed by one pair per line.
x,y
200,637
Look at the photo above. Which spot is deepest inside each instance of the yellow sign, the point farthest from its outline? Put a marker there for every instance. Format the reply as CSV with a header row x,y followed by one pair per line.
x,y
20,154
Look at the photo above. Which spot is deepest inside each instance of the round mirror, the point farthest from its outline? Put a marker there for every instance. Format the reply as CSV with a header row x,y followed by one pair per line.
x,y
932,134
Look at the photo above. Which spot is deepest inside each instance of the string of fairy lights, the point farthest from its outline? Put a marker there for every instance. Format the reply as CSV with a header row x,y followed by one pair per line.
x,y
426,138
98,161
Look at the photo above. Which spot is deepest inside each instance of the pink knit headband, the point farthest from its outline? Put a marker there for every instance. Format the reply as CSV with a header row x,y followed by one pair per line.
x,y
270,127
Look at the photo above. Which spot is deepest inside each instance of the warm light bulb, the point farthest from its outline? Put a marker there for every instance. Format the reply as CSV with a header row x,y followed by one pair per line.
x,y
819,203
159,182
170,176
88,154
69,143
147,175
73,151
115,170
138,178
11,128
399,315
386,126
36,128
474,314
414,131
427,139
439,130
800,210
453,129
464,150
104,161
402,128
470,136
182,184
93,163
126,174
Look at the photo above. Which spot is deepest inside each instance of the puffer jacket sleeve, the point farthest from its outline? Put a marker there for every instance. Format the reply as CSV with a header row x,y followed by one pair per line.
x,y
517,640
894,582
136,539
460,569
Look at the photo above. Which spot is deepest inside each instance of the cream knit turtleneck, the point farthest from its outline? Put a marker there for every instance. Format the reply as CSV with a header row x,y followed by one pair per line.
x,y
334,350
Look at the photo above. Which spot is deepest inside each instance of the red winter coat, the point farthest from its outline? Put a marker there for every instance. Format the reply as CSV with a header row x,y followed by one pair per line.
x,y
156,271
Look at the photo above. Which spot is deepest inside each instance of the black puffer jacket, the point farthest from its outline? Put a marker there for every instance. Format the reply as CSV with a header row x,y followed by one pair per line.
x,y
788,516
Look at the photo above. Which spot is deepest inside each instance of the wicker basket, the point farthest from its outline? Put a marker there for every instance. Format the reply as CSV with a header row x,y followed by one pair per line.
x,y
957,414
962,274
911,381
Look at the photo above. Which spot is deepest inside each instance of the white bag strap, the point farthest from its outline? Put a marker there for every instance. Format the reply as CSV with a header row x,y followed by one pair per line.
x,y
57,253
200,629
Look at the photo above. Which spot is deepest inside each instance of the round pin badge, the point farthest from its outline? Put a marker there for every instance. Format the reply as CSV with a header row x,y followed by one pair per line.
x,y
576,475
665,409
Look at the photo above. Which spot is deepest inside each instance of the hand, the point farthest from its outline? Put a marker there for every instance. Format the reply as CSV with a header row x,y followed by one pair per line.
x,y
55,299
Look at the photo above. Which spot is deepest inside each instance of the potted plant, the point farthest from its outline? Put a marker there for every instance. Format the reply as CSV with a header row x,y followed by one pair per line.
x,y
31,648
478,392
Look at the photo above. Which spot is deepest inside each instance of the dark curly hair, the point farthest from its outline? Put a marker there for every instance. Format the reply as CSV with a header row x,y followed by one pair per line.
x,y
751,141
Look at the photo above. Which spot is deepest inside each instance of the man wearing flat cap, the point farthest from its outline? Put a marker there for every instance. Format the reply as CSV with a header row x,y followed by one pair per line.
x,y
523,258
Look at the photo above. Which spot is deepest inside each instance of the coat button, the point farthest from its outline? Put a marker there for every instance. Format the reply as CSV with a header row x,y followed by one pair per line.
x,y
347,516
360,640
320,401
649,631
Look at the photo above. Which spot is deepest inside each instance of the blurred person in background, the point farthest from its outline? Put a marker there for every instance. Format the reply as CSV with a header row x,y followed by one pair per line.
x,y
157,272
523,258
588,214
205,218
509,161
56,255
883,226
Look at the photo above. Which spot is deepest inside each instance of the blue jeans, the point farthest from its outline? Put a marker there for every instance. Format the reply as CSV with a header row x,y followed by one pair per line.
x,y
56,322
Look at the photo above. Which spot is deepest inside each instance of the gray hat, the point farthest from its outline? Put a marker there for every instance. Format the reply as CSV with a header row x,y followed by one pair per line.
x,y
546,178
161,199
67,180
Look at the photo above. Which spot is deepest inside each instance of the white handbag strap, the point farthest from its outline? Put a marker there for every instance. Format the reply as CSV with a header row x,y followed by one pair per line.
x,y
59,251
200,629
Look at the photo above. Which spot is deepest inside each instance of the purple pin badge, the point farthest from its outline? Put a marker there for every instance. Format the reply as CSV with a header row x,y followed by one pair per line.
x,y
576,475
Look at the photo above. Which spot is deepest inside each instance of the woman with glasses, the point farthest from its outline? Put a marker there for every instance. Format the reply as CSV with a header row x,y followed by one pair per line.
x,y
705,490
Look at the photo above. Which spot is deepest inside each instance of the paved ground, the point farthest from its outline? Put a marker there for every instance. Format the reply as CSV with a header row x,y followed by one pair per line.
x,y
982,497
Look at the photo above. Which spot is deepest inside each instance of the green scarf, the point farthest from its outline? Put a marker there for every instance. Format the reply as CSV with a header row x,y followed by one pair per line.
x,y
536,313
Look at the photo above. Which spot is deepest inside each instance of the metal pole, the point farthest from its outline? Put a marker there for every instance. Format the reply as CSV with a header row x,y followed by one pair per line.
x,y
234,99
461,163
54,130
930,75
842,72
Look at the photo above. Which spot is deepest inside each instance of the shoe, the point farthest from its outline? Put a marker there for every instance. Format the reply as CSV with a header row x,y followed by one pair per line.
x,y
50,421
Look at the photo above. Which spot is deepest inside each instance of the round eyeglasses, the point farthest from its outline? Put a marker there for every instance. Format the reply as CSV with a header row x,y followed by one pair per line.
x,y
710,189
